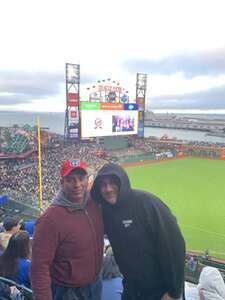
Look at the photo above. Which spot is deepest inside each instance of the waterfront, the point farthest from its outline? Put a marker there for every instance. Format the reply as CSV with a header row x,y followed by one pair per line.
x,y
189,135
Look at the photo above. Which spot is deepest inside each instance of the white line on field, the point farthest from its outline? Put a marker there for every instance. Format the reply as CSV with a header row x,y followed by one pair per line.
x,y
203,230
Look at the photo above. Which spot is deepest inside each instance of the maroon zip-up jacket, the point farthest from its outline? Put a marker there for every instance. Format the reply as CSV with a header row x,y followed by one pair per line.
x,y
67,248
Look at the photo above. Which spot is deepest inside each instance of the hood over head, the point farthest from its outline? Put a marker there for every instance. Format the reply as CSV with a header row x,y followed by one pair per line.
x,y
212,284
118,172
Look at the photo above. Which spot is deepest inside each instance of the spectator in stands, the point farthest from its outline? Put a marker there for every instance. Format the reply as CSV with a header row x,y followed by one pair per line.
x,y
12,225
68,242
192,265
211,286
206,254
145,238
112,278
8,292
15,262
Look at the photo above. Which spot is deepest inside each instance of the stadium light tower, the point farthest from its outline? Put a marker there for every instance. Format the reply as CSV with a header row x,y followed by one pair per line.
x,y
141,87
72,113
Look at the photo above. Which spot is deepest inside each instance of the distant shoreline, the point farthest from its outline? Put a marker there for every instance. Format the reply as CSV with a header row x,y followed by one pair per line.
x,y
55,123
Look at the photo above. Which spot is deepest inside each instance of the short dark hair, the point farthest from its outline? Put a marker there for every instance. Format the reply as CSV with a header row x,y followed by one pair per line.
x,y
10,222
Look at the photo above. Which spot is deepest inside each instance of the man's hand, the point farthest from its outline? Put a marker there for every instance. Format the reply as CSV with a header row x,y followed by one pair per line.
x,y
167,297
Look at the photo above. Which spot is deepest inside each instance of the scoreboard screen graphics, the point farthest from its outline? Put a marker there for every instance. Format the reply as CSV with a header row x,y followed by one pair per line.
x,y
108,120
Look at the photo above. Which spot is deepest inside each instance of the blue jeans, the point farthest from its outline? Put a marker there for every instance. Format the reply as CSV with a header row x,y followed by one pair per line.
x,y
92,291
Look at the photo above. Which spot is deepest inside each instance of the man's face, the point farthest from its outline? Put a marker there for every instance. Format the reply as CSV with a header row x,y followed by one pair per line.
x,y
109,189
75,185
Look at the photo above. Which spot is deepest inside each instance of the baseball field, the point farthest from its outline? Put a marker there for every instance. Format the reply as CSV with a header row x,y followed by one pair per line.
x,y
194,189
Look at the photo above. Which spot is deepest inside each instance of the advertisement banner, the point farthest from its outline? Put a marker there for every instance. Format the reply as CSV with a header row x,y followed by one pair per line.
x,y
89,105
141,115
141,103
74,131
73,103
73,96
111,106
73,114
107,106
130,106
74,117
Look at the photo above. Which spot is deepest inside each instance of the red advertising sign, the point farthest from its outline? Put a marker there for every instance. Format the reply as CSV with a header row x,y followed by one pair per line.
x,y
72,96
73,103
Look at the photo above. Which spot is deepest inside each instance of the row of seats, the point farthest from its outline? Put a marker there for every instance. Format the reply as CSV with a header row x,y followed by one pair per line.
x,y
18,144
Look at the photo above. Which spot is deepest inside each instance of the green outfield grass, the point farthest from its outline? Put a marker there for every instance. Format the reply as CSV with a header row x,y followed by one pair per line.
x,y
194,189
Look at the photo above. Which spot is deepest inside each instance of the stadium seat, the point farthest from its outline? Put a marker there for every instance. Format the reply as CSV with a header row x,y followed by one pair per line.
x,y
26,294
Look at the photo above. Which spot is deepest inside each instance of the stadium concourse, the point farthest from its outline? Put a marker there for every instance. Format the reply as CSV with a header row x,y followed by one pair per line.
x,y
19,181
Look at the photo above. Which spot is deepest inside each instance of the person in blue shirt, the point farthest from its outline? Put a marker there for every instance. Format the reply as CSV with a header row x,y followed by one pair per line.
x,y
15,262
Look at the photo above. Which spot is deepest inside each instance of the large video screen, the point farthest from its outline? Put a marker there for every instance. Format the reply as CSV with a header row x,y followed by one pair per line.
x,y
109,121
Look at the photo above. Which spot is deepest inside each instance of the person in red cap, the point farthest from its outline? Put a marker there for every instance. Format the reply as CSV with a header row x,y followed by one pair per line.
x,y
67,247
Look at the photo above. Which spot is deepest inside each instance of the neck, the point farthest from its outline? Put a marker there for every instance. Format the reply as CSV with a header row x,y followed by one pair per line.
x,y
78,201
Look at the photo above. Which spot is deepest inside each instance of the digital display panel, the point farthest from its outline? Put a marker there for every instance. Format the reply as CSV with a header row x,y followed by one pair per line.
x,y
108,120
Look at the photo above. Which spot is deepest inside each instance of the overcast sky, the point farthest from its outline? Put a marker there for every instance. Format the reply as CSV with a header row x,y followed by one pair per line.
x,y
180,45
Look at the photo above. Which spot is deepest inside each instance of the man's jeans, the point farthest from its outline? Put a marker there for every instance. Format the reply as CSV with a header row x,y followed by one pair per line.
x,y
92,291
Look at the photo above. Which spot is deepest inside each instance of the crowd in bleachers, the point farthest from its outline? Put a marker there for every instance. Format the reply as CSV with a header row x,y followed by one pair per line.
x,y
20,176
26,180
207,144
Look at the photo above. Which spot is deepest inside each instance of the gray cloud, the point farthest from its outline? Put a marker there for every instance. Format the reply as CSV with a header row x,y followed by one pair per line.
x,y
207,62
210,99
18,87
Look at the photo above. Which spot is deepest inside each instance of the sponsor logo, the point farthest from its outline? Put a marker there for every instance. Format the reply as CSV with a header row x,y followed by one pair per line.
x,y
127,223
98,123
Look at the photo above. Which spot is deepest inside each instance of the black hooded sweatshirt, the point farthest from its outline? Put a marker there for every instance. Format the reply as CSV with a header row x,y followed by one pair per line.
x,y
146,240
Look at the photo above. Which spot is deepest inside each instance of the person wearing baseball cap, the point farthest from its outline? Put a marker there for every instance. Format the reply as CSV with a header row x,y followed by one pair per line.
x,y
67,250
71,165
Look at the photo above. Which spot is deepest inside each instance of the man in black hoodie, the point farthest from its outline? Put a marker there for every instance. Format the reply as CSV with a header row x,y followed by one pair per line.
x,y
146,240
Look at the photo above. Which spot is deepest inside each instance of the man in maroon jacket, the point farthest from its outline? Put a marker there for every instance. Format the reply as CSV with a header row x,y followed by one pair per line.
x,y
68,242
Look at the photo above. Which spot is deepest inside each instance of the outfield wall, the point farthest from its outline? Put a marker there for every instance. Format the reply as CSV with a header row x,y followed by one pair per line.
x,y
163,156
